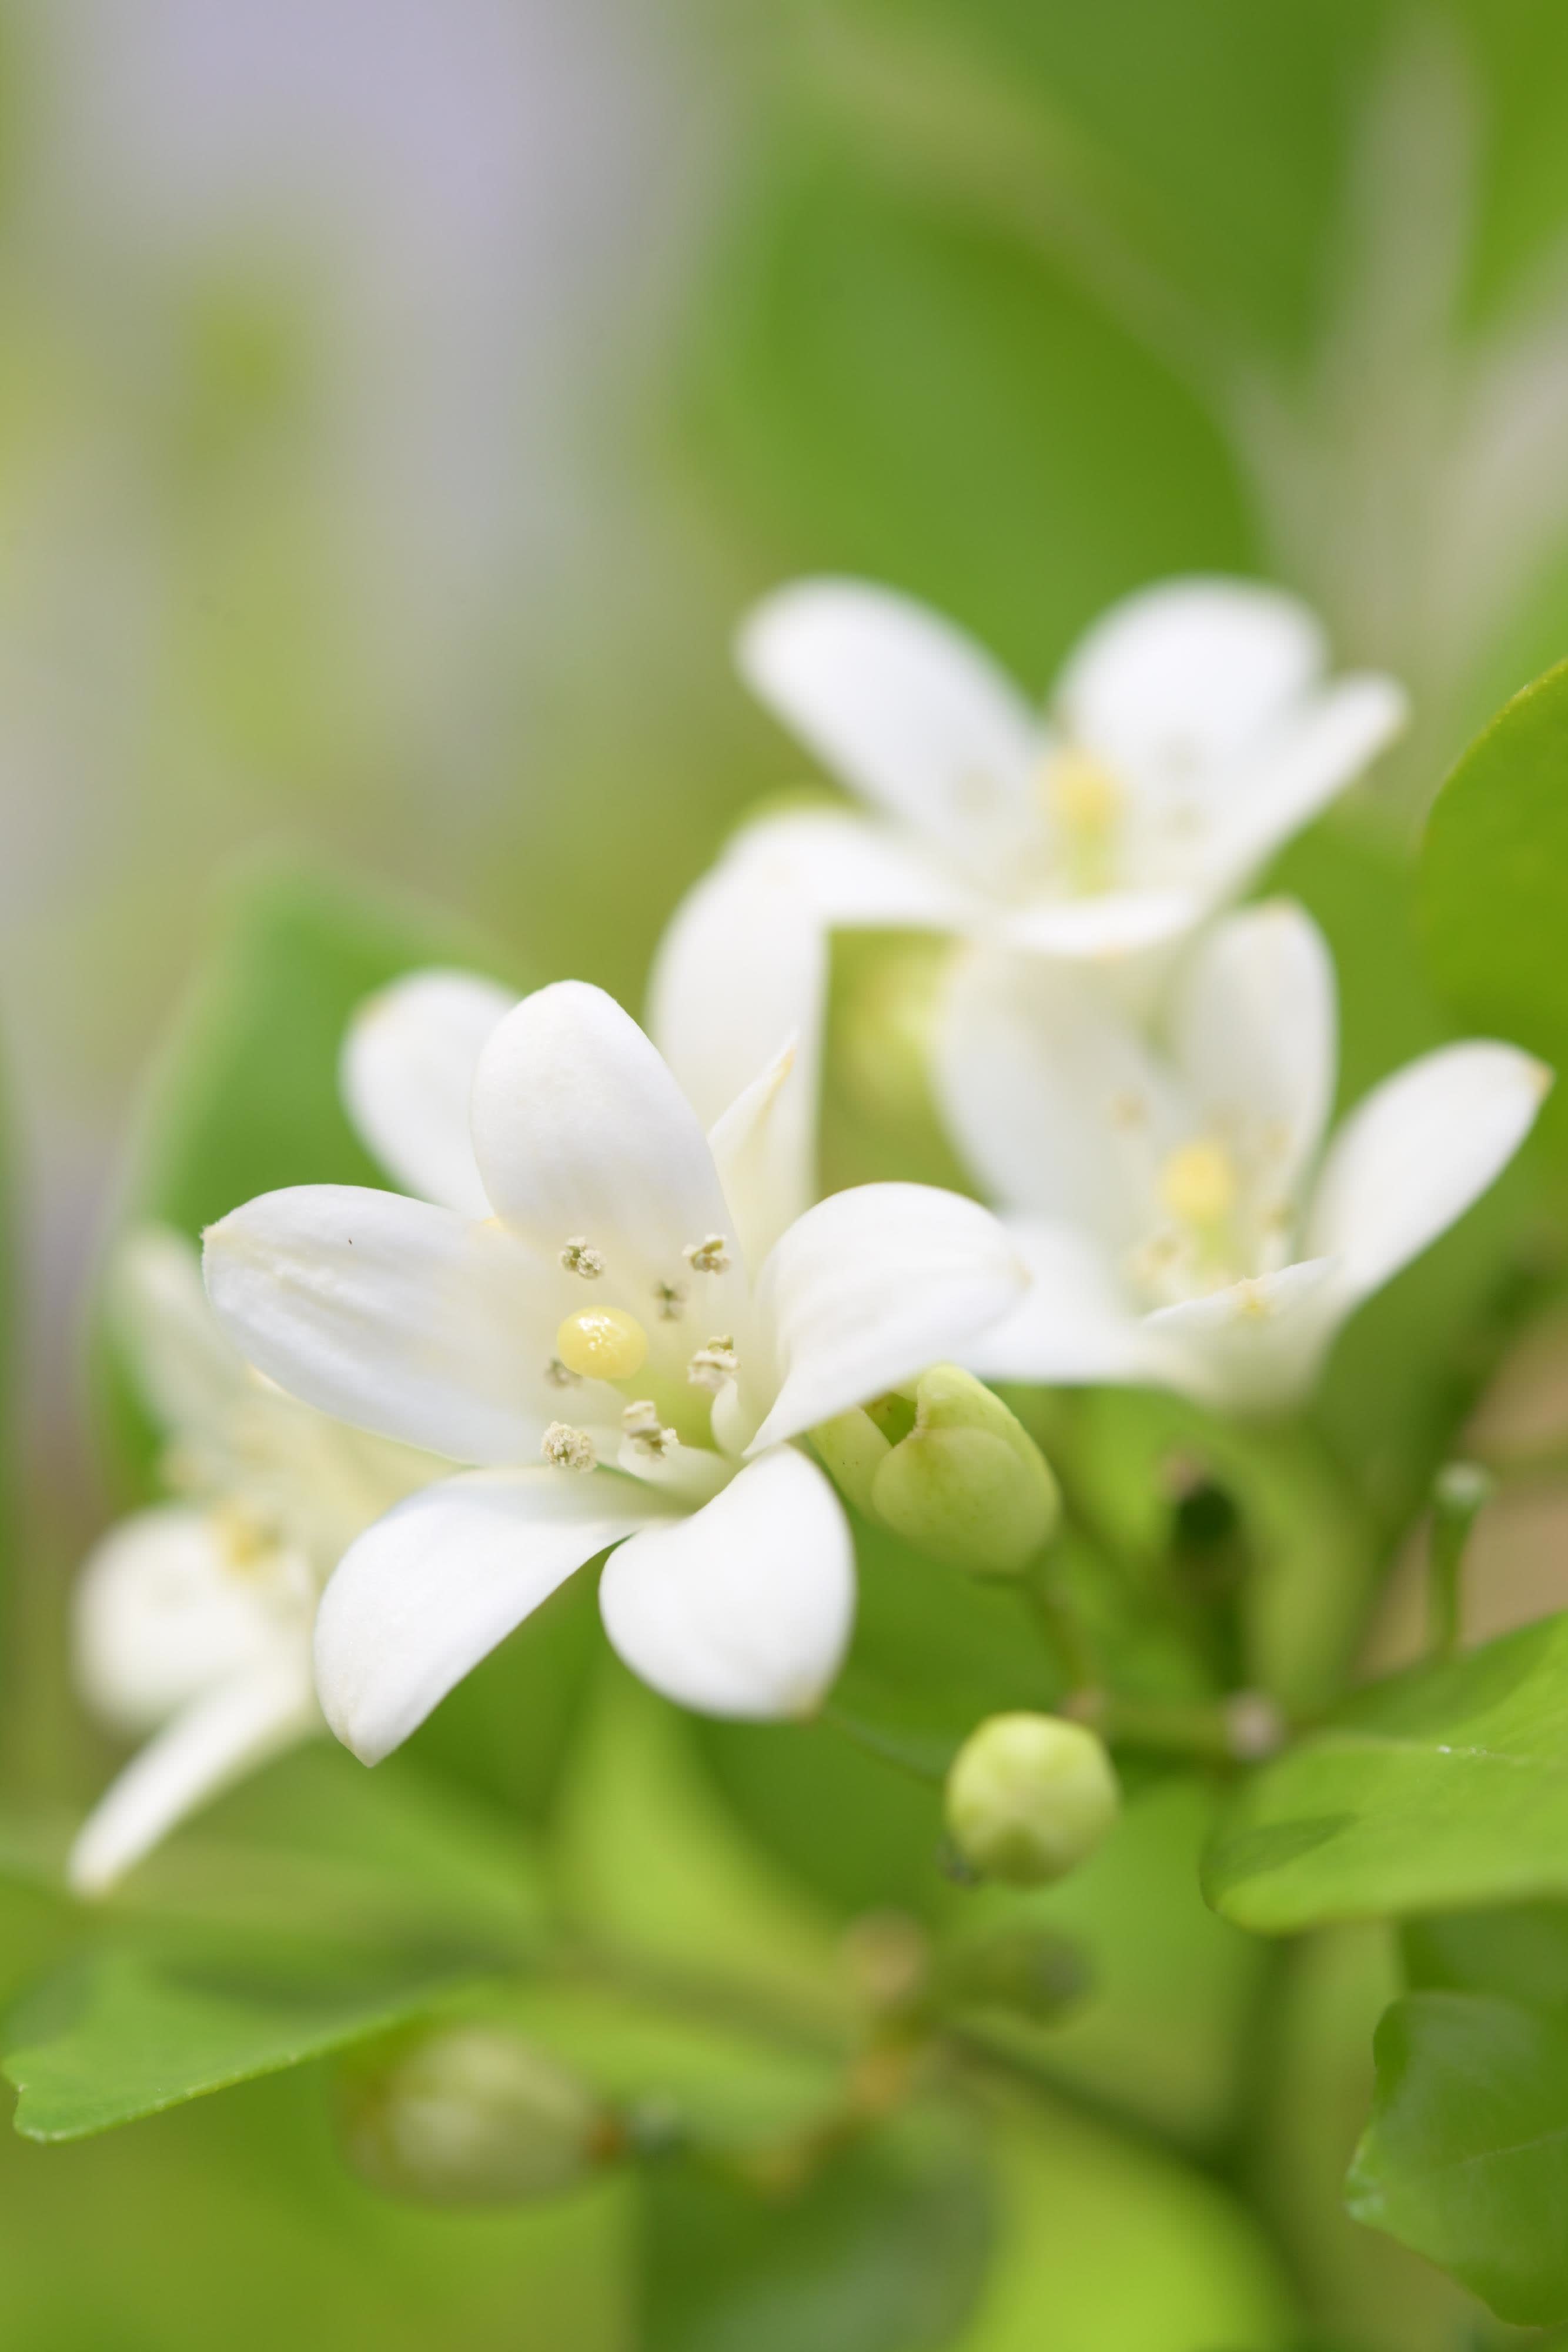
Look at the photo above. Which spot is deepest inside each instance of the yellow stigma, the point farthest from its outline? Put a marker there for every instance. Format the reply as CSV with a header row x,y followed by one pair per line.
x,y
603,1343
1198,1183
1083,802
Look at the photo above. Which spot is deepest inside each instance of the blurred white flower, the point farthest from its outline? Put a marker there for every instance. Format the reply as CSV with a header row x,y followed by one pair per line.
x,y
608,1318
1170,1201
1191,732
194,1619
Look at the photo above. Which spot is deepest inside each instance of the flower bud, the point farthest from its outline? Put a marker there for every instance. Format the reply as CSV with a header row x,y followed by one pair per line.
x,y
471,2115
1033,1972
1029,1797
946,1466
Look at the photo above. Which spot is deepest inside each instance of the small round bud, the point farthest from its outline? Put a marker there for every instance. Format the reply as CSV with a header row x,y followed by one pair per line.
x,y
1030,1796
471,2115
968,1484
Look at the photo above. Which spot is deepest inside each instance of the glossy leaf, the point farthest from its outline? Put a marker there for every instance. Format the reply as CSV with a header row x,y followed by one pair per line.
x,y
125,2036
880,2250
1466,2157
1442,1789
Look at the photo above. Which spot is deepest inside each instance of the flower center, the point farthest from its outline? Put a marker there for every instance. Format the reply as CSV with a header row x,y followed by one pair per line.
x,y
1082,802
603,1343
1199,1186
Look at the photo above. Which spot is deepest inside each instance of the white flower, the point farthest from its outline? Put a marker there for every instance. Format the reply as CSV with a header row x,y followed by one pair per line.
x,y
622,1344
193,1620
1191,732
1173,1210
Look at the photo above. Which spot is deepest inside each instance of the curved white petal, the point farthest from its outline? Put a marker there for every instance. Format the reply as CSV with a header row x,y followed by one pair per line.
x,y
394,1314
900,704
1186,673
761,1148
1103,930
869,1287
1071,1325
1253,1026
185,1363
173,1601
1320,749
430,1589
1052,1096
581,1130
214,1742
1416,1152
407,1074
746,1608
1254,1347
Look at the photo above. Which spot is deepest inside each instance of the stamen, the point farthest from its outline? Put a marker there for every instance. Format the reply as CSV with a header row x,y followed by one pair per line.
x,y
603,1343
713,1365
710,1256
669,1301
1083,805
1197,1184
561,1376
565,1448
579,1258
641,1424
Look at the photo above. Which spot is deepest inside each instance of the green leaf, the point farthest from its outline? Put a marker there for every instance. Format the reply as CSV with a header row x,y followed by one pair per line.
x,y
880,2250
1520,1951
125,2034
1494,874
1466,2157
1443,1789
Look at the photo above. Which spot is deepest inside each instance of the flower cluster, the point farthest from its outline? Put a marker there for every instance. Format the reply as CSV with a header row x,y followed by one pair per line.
x,y
606,1311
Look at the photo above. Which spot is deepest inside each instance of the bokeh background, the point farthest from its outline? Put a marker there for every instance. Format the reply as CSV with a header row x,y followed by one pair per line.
x,y
398,400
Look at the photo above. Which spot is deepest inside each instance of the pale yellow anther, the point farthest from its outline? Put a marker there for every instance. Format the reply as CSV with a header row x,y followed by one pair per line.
x,y
578,1257
565,1448
643,1426
709,1256
1197,1184
603,1343
1082,803
713,1365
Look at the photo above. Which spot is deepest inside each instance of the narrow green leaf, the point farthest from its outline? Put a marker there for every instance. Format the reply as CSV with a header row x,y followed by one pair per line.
x,y
1494,874
1443,1789
1466,2157
124,2034
881,2250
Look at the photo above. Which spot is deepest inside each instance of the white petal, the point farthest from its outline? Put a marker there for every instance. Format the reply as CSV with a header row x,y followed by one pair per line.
x,y
430,1588
746,1608
166,1607
1254,1030
579,1128
1193,670
407,1074
1255,1347
392,1314
232,1731
1289,778
869,1287
1053,1097
1416,1152
1073,1324
901,705
187,1368
760,1148
1101,930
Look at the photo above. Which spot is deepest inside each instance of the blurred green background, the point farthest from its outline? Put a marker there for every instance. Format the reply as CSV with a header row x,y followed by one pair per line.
x,y
398,400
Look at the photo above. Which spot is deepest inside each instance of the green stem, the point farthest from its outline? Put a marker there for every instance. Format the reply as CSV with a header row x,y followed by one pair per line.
x,y
925,1759
1459,1491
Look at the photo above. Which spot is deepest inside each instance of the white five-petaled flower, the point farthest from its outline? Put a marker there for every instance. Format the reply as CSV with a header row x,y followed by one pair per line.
x,y
1171,1201
600,1309
193,1618
1191,732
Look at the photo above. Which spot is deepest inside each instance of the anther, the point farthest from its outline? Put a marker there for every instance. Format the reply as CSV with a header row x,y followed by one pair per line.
x,y
579,1258
641,1425
565,1448
709,1256
669,1301
713,1365
603,1343
1198,1183
559,1375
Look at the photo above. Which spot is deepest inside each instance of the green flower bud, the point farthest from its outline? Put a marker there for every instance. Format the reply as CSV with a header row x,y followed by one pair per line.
x,y
1030,1796
471,2115
946,1466
1031,1970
